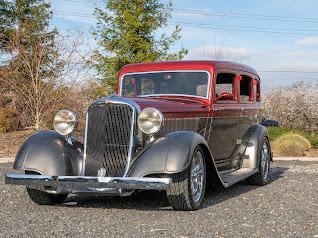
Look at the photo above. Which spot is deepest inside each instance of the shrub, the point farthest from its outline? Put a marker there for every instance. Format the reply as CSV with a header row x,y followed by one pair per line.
x,y
291,145
294,138
289,148
276,132
8,119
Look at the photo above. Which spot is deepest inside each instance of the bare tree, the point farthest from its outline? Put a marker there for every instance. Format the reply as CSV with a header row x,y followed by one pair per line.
x,y
43,80
295,106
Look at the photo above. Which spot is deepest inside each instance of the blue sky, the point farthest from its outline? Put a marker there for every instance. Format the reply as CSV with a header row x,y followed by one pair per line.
x,y
272,35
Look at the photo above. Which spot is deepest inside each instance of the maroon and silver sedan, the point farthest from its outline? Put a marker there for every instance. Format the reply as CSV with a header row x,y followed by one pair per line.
x,y
175,126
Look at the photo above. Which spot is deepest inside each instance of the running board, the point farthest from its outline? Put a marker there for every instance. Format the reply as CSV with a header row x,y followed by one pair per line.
x,y
230,178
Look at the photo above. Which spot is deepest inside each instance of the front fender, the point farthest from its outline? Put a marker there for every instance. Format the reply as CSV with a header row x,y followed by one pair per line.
x,y
168,154
49,153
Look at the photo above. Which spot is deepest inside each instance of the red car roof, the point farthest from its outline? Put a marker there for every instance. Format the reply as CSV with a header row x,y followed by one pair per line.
x,y
184,65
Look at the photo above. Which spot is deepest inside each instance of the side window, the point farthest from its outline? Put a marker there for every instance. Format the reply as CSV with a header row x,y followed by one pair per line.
x,y
246,87
225,87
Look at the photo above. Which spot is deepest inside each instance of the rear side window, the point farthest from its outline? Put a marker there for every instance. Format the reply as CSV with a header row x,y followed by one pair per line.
x,y
225,87
246,87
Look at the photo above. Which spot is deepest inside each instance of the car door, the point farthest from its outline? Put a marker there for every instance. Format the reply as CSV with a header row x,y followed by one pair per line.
x,y
250,109
249,102
225,119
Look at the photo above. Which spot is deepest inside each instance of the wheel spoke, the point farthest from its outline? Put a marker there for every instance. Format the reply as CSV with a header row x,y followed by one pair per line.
x,y
197,175
265,161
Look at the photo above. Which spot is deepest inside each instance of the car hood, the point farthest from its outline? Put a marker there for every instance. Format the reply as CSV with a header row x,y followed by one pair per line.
x,y
169,105
165,105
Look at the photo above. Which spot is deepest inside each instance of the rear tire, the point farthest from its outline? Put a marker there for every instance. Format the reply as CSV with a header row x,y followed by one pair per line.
x,y
261,178
187,188
43,198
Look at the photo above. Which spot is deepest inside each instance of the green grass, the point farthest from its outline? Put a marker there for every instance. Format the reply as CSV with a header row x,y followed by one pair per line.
x,y
276,132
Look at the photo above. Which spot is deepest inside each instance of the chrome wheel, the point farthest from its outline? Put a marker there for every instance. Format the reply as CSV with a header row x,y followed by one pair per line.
x,y
187,188
265,160
197,176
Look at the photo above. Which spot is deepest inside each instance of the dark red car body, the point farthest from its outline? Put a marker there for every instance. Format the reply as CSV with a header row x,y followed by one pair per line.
x,y
224,125
174,126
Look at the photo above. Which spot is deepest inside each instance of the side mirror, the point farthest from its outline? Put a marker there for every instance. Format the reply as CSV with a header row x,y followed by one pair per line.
x,y
269,122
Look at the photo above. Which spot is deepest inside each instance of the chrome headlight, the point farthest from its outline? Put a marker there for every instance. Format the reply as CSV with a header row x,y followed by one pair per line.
x,y
150,120
65,122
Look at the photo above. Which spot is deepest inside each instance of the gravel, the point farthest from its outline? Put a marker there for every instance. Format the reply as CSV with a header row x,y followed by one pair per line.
x,y
287,207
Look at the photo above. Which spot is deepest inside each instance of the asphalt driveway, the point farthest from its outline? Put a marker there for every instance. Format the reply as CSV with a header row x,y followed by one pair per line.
x,y
287,207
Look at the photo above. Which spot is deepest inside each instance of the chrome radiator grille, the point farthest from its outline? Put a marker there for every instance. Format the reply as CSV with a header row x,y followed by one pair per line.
x,y
108,135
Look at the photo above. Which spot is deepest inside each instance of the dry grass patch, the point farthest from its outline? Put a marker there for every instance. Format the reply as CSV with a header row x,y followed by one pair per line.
x,y
11,141
312,153
291,145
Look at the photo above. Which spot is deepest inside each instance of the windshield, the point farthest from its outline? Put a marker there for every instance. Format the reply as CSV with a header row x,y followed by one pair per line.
x,y
191,83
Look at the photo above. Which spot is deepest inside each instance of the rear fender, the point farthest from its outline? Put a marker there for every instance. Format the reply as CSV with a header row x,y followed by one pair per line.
x,y
50,153
253,147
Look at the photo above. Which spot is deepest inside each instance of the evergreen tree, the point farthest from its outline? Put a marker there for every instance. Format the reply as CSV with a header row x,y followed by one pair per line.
x,y
23,22
126,33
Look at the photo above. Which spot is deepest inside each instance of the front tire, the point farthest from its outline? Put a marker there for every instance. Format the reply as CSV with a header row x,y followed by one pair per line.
x,y
43,198
187,188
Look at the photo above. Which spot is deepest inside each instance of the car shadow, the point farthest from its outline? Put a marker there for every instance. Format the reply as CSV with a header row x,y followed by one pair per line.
x,y
156,200
218,194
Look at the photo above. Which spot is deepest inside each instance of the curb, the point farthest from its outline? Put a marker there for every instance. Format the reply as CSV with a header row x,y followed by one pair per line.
x,y
6,160
303,159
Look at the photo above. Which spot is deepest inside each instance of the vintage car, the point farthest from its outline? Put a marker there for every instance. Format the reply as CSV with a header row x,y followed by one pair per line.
x,y
176,126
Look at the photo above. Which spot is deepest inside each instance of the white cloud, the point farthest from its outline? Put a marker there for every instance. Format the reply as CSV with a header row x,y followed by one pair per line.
x,y
295,66
308,41
303,54
287,73
218,52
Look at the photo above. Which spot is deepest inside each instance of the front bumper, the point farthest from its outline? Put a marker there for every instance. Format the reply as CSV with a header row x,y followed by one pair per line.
x,y
74,183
